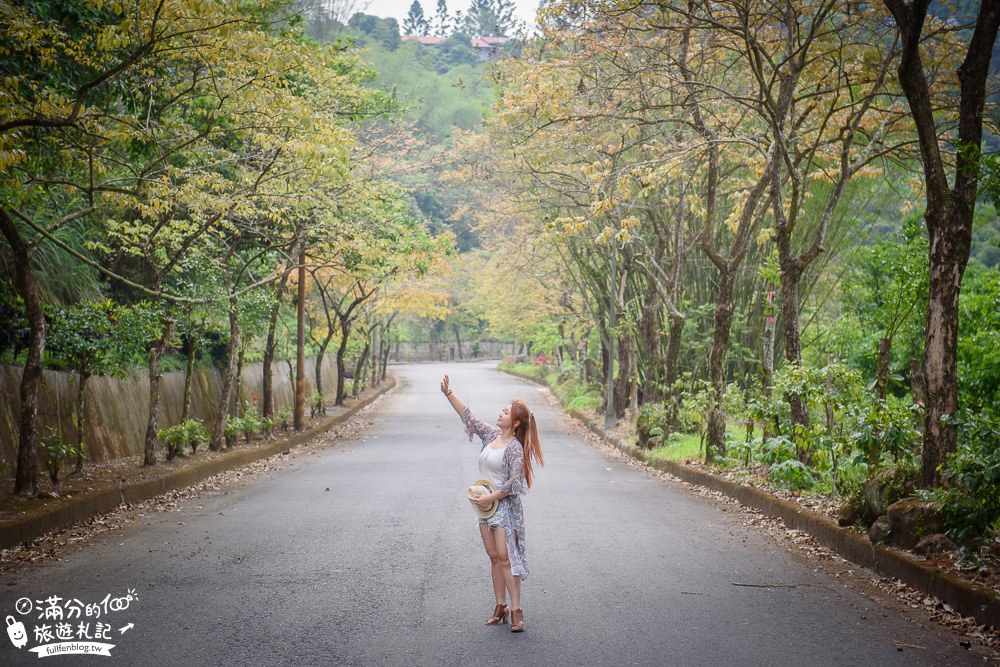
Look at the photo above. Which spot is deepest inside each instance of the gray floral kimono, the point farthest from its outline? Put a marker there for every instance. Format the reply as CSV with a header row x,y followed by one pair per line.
x,y
509,514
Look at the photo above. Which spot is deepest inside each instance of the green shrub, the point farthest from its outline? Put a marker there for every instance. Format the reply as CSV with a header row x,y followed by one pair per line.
x,y
284,418
317,403
777,450
196,434
792,474
693,408
652,421
234,425
57,451
188,433
884,432
173,438
971,501
250,423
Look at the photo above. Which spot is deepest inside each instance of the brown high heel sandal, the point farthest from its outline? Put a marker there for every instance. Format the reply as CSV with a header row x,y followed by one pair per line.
x,y
499,616
517,620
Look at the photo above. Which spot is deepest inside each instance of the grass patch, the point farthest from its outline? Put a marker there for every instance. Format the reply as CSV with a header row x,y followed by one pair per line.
x,y
679,446
683,446
572,394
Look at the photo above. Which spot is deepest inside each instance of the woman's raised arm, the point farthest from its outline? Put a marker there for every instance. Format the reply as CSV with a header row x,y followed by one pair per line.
x,y
452,398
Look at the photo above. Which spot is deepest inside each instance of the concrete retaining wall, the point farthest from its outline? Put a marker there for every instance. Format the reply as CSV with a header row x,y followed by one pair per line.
x,y
117,408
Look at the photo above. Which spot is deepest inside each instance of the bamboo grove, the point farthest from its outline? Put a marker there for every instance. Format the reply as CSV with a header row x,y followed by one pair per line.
x,y
180,174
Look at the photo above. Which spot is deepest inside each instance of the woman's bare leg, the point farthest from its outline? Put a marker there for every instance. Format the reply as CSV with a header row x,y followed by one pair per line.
x,y
512,583
499,589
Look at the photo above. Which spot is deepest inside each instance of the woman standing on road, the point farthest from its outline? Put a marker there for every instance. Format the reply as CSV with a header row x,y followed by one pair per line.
x,y
505,458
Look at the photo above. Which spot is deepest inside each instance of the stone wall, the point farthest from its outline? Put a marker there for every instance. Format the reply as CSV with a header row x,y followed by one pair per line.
x,y
117,408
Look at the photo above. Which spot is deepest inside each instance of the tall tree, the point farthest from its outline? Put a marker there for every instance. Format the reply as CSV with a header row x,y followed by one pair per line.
x,y
949,206
442,25
415,22
490,18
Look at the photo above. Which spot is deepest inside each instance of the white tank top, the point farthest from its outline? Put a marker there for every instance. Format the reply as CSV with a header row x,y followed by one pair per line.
x,y
491,464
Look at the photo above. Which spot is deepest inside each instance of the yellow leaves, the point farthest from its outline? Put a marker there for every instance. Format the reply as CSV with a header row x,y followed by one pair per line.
x,y
601,206
765,236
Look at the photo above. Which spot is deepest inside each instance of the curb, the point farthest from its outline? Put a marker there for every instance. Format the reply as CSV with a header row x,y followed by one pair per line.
x,y
965,598
79,508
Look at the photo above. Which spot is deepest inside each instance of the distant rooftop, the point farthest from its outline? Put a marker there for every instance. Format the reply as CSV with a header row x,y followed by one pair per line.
x,y
475,42
426,40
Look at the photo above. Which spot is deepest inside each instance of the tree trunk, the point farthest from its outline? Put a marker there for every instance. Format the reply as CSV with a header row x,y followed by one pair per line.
x,y
81,420
386,349
649,330
607,359
26,474
949,211
189,376
882,368
716,430
320,356
458,341
156,350
609,378
299,420
791,275
345,328
270,347
917,380
670,369
359,367
219,433
949,255
767,369
376,338
624,379
633,385
238,400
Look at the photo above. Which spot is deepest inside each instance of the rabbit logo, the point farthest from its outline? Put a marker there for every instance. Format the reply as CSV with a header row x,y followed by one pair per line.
x,y
16,632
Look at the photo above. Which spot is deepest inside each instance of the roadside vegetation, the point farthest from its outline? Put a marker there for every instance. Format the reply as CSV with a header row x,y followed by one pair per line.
x,y
788,266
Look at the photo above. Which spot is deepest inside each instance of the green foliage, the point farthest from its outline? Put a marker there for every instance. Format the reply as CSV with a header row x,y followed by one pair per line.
x,y
250,423
565,384
100,337
652,421
317,404
375,31
57,451
693,408
446,86
284,418
190,433
174,438
979,340
970,502
851,433
234,425
777,450
792,474
196,433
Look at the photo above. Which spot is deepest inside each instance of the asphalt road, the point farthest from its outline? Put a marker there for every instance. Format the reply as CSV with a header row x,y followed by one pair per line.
x,y
387,566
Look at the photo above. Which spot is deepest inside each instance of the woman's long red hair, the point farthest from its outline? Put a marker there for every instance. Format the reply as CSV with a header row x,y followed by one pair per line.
x,y
526,433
